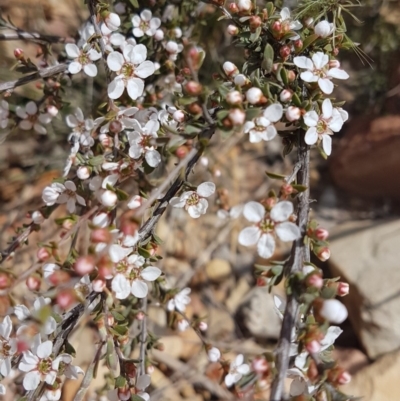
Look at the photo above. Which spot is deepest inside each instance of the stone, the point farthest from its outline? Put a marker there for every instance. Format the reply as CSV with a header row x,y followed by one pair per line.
x,y
367,257
221,325
257,314
218,270
378,381
237,295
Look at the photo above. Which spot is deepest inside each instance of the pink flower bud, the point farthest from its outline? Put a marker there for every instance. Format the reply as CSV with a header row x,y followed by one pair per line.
x,y
234,98
291,76
254,22
43,254
140,316
84,265
241,80
115,126
18,53
344,378
232,30
101,220
244,5
343,289
124,393
100,235
108,198
203,326
313,347
65,299
33,283
286,96
284,52
98,285
298,44
179,116
4,281
333,311
260,365
193,88
323,254
182,324
67,224
334,64
277,26
37,217
230,69
315,280
293,113
254,95
237,116
150,369
83,173
321,234
52,110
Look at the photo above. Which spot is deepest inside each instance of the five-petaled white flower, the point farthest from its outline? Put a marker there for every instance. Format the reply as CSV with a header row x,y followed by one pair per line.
x,y
131,68
145,24
141,142
318,71
193,201
62,193
322,126
8,346
266,224
262,128
39,365
288,24
130,277
31,118
82,59
236,371
4,111
180,300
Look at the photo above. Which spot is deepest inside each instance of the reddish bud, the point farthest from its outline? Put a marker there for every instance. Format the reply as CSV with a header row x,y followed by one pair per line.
x,y
260,365
33,283
232,30
298,44
254,22
277,26
195,109
140,316
193,88
18,54
313,347
321,234
315,280
85,265
101,235
181,152
237,116
43,254
115,126
59,277
65,299
150,369
323,254
203,326
286,189
286,96
344,378
98,285
343,289
293,113
291,76
4,281
284,52
261,282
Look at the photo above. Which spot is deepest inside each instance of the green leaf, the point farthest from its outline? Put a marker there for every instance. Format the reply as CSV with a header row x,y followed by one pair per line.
x,y
96,161
69,349
136,397
135,3
252,113
120,382
307,42
121,195
268,61
275,176
296,100
299,188
144,252
328,293
118,316
284,76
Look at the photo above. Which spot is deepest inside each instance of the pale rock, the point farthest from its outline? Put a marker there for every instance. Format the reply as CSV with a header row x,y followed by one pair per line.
x,y
221,325
378,381
237,295
258,316
368,259
218,270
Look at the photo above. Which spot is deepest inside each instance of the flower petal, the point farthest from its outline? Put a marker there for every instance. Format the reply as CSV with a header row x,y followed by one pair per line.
x,y
31,108
90,70
274,112
45,349
266,246
72,50
287,231
206,189
311,136
120,285
150,273
249,236
31,380
282,211
139,288
135,87
338,73
115,89
153,158
327,144
327,109
115,61
254,211
74,67
325,85
311,118
303,62
145,69
320,60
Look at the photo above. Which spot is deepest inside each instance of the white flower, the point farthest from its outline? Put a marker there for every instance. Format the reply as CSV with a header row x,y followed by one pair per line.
x,y
145,24
318,71
322,126
262,128
123,119
4,111
37,217
31,118
62,193
288,24
236,371
142,383
173,49
180,300
324,29
78,123
82,59
333,311
267,224
254,95
214,354
141,142
8,346
183,325
193,201
130,278
131,68
39,365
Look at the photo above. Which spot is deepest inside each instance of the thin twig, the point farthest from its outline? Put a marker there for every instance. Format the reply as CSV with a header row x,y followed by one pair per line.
x,y
41,73
16,243
299,255
143,338
19,34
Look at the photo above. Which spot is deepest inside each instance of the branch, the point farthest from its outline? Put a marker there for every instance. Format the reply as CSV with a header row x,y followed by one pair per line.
x,y
41,73
19,34
143,338
16,243
300,253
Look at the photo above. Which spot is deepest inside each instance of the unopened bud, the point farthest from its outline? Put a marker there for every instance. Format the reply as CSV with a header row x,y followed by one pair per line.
x,y
323,29
298,44
43,254
315,280
234,98
115,127
150,369
159,35
52,110
85,265
101,235
230,69
203,326
277,26
237,116
18,54
313,347
293,113
33,283
308,22
140,316
254,22
105,140
254,95
291,76
181,151
260,365
284,52
83,173
4,281
135,202
179,116
244,5
333,311
241,80
343,289
109,198
344,378
323,254
286,96
321,234
65,299
37,217
286,189
232,30
98,285
101,220
193,88
182,324
214,354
